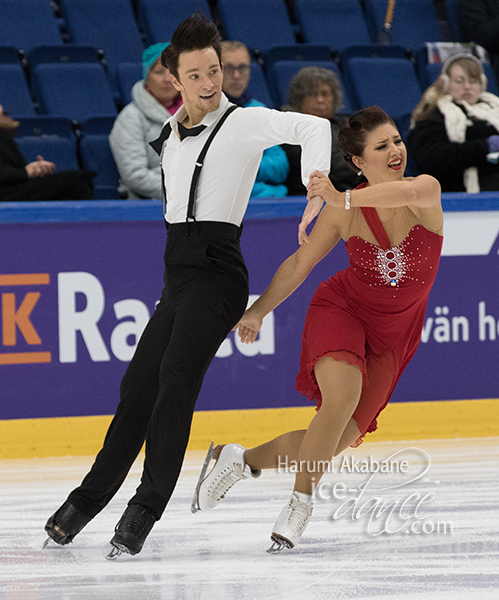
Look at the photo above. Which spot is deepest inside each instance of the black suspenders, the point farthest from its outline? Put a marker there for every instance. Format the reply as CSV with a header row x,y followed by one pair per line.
x,y
200,162
157,145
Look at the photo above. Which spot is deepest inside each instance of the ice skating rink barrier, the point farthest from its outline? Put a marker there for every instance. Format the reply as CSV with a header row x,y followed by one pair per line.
x,y
78,281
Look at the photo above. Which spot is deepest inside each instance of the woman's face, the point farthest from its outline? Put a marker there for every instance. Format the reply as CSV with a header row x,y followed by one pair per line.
x,y
384,157
462,86
159,83
320,104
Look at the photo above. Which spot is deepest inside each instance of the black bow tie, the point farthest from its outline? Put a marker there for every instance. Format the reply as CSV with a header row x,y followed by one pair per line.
x,y
186,132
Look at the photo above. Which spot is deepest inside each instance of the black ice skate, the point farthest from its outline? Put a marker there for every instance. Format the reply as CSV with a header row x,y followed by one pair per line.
x,y
132,530
65,523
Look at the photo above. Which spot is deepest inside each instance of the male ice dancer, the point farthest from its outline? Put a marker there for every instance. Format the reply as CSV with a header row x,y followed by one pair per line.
x,y
206,282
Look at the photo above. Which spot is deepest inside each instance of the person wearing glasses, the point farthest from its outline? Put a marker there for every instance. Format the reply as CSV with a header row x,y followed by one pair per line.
x,y
455,129
274,167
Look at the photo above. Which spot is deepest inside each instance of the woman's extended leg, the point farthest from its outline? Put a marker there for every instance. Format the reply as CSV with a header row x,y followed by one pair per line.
x,y
330,432
341,386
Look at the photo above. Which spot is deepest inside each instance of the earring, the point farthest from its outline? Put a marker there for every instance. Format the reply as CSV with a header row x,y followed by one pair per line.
x,y
361,172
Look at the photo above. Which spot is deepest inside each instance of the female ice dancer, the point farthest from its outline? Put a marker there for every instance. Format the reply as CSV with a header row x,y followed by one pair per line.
x,y
363,325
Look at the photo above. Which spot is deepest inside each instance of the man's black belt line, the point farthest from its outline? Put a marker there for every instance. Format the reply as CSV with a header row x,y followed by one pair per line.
x,y
157,145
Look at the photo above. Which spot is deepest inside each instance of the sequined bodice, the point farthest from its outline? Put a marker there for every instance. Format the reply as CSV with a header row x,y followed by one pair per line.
x,y
413,261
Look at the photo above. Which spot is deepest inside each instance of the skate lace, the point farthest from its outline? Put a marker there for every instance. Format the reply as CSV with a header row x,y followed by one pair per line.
x,y
297,516
135,522
225,480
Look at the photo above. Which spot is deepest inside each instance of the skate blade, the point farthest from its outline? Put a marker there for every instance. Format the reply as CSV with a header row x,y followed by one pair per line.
x,y
112,552
209,456
278,545
49,542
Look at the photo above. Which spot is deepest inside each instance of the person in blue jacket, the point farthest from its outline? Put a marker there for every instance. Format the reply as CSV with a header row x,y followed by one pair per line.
x,y
274,167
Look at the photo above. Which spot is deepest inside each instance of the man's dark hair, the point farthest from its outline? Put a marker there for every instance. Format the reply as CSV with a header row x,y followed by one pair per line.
x,y
195,33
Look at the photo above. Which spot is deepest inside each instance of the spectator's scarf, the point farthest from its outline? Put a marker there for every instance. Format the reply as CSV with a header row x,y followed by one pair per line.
x,y
456,123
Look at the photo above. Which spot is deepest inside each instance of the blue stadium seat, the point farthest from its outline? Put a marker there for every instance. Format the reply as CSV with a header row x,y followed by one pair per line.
x,y
366,50
41,125
283,71
15,96
159,18
373,80
335,24
9,54
259,24
414,22
257,87
374,51
108,25
128,75
452,16
63,53
96,155
49,137
76,91
28,23
310,52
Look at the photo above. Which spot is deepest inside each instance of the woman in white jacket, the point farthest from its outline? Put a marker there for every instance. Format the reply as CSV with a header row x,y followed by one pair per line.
x,y
154,100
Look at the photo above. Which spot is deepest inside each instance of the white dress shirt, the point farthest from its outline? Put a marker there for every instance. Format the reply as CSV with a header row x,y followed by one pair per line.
x,y
232,161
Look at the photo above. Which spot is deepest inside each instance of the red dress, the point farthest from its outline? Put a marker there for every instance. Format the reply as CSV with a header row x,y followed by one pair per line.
x,y
371,314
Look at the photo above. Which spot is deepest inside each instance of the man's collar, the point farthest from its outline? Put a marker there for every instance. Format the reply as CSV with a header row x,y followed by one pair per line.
x,y
208,119
189,131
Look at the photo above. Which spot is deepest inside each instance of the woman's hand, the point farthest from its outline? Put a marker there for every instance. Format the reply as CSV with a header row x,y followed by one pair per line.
x,y
249,326
320,185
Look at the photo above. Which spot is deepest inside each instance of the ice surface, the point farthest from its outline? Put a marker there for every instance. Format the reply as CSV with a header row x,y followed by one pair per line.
x,y
222,555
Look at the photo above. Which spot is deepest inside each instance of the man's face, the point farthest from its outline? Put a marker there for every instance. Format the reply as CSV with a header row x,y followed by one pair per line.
x,y
200,82
237,66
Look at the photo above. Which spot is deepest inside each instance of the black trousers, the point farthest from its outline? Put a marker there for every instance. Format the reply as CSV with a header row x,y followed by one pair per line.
x,y
205,295
64,185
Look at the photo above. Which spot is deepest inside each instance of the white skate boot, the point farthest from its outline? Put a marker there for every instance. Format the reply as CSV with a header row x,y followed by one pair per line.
x,y
228,470
291,523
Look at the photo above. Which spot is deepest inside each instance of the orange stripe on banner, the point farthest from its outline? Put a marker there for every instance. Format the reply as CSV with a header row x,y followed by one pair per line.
x,y
25,358
25,279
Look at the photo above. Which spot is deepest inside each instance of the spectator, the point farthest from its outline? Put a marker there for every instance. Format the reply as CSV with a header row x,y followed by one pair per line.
x,y
455,129
317,91
274,166
479,20
37,180
154,100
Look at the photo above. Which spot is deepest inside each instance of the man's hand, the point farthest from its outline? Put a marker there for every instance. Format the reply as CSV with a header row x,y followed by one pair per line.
x,y
39,168
311,211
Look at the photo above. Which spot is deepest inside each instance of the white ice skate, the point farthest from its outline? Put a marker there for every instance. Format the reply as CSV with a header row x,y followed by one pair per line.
x,y
291,523
229,468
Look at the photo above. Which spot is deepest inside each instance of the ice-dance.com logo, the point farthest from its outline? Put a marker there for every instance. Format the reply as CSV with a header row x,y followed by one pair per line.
x,y
392,497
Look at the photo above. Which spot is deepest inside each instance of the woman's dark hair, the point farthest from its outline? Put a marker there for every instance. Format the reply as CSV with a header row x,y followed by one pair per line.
x,y
195,33
354,131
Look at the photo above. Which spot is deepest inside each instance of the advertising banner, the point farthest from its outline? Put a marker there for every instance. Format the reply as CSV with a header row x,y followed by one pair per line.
x,y
76,296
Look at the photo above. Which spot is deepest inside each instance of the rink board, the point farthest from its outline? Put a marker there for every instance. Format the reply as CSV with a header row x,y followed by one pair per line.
x,y
76,293
402,421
